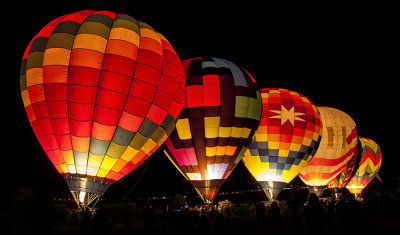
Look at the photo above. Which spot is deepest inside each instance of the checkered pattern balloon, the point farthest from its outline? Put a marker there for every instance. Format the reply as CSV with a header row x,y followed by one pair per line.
x,y
102,91
221,113
287,138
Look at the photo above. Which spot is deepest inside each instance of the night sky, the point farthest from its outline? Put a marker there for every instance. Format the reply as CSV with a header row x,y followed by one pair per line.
x,y
338,56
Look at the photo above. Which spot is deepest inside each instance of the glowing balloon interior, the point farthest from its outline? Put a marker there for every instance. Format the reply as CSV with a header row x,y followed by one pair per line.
x,y
102,91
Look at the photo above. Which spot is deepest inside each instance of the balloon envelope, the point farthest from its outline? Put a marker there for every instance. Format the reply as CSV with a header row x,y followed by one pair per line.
x,y
287,138
338,145
370,162
101,91
218,120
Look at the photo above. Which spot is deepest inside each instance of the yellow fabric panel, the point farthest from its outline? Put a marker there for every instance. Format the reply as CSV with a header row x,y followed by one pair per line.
x,y
125,35
108,163
236,132
34,76
261,137
283,153
163,138
149,146
95,160
183,129
92,171
211,151
295,147
129,153
273,145
68,156
102,173
245,132
56,56
211,126
224,132
90,42
64,168
194,176
221,150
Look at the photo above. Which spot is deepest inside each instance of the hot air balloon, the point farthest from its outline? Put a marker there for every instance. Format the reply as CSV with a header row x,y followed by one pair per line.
x,y
287,138
101,91
338,146
220,115
370,162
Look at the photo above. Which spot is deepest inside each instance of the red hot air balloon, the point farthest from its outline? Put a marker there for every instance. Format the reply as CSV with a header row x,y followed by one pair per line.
x,y
102,91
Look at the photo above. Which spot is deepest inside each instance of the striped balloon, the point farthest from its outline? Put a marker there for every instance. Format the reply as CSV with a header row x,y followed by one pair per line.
x,y
220,115
338,146
102,91
370,162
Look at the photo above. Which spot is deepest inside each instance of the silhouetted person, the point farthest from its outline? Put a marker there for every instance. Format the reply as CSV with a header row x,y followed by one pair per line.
x,y
296,202
260,212
341,213
314,215
330,206
276,218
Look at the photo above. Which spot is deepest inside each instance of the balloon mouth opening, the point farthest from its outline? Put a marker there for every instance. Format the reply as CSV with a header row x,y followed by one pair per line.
x,y
84,199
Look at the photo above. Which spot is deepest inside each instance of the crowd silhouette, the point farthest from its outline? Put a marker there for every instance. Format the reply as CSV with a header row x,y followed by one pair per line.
x,y
300,214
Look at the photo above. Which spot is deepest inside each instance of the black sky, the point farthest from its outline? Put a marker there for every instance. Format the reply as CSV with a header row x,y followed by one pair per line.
x,y
338,56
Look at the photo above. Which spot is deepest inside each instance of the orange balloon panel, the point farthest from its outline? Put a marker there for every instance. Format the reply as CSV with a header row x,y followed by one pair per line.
x,y
337,147
102,92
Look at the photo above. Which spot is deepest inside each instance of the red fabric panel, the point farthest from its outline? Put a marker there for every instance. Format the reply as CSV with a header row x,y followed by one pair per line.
x,y
147,74
110,99
143,90
137,106
118,64
115,81
82,94
106,116
156,114
83,76
55,92
80,128
57,109
83,112
130,122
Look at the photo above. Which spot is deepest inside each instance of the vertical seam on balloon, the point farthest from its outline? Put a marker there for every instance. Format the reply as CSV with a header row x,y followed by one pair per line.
x,y
232,158
94,109
67,83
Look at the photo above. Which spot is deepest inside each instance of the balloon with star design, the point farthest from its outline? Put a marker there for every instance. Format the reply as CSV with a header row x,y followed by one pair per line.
x,y
286,140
